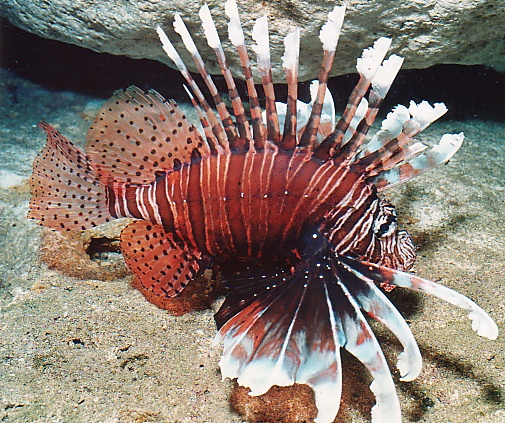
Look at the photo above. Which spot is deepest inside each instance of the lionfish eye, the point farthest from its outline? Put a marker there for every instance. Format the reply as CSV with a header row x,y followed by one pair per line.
x,y
385,223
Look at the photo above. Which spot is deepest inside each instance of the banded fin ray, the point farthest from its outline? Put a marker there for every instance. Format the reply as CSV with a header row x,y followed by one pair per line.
x,y
245,137
137,134
303,111
421,116
329,35
439,154
290,65
226,121
236,36
262,50
481,321
367,66
215,124
381,83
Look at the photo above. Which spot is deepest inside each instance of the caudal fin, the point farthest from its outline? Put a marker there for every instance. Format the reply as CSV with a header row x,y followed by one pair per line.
x,y
66,194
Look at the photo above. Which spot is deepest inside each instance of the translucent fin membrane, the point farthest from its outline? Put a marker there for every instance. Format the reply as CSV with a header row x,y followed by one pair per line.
x,y
137,130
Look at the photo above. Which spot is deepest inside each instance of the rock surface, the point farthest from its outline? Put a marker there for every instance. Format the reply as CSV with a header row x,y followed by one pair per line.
x,y
425,32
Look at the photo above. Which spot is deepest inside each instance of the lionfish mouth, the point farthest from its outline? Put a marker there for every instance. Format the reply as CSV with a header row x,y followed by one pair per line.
x,y
247,190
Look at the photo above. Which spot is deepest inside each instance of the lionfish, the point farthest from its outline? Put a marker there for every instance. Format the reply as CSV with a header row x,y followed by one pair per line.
x,y
296,211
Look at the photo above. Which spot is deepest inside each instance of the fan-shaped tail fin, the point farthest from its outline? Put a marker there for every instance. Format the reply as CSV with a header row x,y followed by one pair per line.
x,y
66,191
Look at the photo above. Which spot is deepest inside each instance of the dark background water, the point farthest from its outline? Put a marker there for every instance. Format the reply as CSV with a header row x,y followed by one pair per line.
x,y
470,92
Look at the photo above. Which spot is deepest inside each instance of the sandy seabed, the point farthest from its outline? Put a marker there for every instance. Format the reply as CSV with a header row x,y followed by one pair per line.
x,y
88,350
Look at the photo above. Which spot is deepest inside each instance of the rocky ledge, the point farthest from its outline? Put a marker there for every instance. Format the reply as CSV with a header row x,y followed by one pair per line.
x,y
425,32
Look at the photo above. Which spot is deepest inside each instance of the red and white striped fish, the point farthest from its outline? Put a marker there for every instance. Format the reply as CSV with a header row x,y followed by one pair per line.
x,y
292,216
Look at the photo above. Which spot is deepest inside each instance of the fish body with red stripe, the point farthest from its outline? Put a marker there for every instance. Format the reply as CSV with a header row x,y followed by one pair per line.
x,y
292,216
240,218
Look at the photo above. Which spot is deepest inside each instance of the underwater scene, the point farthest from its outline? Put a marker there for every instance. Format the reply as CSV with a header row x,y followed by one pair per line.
x,y
137,286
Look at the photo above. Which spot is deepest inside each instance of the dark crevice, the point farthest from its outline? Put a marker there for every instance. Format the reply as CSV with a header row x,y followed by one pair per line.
x,y
470,92
100,248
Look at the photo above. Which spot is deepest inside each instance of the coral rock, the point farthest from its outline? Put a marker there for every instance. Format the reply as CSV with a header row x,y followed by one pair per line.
x,y
91,254
426,33
292,404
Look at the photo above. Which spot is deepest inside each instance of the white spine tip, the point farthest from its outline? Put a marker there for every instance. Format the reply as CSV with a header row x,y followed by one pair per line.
x,y
260,35
372,57
291,50
169,48
386,73
330,31
483,324
180,28
235,32
209,27
424,113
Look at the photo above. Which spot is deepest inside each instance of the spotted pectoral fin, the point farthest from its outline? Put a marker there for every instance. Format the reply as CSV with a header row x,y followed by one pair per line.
x,y
162,265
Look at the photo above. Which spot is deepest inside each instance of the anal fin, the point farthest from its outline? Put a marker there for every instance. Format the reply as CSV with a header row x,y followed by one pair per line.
x,y
163,266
